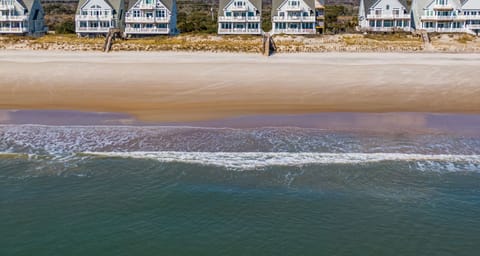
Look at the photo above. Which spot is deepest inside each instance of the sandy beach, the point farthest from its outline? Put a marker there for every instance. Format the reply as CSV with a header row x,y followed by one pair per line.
x,y
172,86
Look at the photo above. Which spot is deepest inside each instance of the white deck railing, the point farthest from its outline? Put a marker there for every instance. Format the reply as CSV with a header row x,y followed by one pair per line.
x,y
146,30
239,18
443,7
94,17
13,30
442,18
239,31
147,19
473,26
388,29
92,29
388,16
14,18
446,30
294,31
294,18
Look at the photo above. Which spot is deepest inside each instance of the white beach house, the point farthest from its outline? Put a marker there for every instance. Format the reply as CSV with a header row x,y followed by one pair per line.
x,y
151,17
240,17
384,15
471,14
97,17
438,15
22,17
293,17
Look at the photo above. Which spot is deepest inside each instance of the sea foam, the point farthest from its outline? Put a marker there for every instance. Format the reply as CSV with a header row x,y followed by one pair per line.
x,y
259,160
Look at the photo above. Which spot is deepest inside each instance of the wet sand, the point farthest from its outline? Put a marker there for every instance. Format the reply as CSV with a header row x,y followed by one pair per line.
x,y
176,87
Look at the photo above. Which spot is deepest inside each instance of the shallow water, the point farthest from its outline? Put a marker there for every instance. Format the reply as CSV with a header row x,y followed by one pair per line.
x,y
121,190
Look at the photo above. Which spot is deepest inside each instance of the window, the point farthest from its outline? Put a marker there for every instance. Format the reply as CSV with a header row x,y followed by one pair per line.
x,y
387,7
161,14
378,12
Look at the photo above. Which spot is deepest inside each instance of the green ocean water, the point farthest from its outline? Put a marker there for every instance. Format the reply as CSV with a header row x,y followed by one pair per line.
x,y
184,198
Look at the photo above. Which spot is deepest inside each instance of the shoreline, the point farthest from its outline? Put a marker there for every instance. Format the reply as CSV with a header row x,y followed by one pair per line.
x,y
179,87
385,123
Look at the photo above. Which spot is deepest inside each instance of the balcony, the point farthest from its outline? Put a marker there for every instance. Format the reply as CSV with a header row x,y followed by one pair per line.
x,y
239,19
92,29
292,31
293,18
145,6
239,8
6,7
469,17
442,18
446,30
146,31
14,18
240,31
389,29
473,26
13,30
293,8
147,19
94,17
443,7
388,17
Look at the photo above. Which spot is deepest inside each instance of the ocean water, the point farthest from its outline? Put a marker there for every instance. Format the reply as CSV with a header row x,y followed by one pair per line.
x,y
151,190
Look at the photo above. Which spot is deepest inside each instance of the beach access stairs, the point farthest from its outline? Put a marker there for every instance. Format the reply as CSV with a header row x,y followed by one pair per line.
x,y
269,46
112,34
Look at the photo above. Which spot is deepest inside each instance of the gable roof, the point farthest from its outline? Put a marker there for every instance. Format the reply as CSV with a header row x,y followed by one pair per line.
x,y
224,3
115,4
27,4
168,4
367,4
277,3
319,2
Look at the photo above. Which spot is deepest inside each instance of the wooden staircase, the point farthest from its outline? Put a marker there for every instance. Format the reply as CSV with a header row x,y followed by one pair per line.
x,y
269,46
111,35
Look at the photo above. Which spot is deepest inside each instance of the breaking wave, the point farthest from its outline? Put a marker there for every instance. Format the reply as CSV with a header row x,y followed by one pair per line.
x,y
259,160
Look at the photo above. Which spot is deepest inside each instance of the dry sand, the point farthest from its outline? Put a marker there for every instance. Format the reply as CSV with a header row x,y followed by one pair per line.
x,y
198,86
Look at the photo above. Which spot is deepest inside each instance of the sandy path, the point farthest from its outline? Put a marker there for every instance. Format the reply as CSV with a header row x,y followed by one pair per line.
x,y
182,86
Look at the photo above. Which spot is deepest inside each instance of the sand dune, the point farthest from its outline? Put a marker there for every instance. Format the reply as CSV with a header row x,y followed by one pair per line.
x,y
199,86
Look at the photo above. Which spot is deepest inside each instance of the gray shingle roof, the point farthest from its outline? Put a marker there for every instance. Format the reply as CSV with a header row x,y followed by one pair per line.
x,y
28,4
224,3
277,3
115,4
369,3
167,3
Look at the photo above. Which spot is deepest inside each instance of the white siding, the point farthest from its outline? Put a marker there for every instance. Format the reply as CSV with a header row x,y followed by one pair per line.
x,y
240,17
294,17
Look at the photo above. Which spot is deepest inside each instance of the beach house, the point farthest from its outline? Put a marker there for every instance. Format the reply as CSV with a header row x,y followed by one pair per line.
x,y
438,15
151,17
320,16
293,17
471,15
22,17
97,17
384,15
240,17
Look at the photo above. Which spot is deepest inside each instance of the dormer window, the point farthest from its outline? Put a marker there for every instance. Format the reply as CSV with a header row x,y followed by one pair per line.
x,y
294,3
239,4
